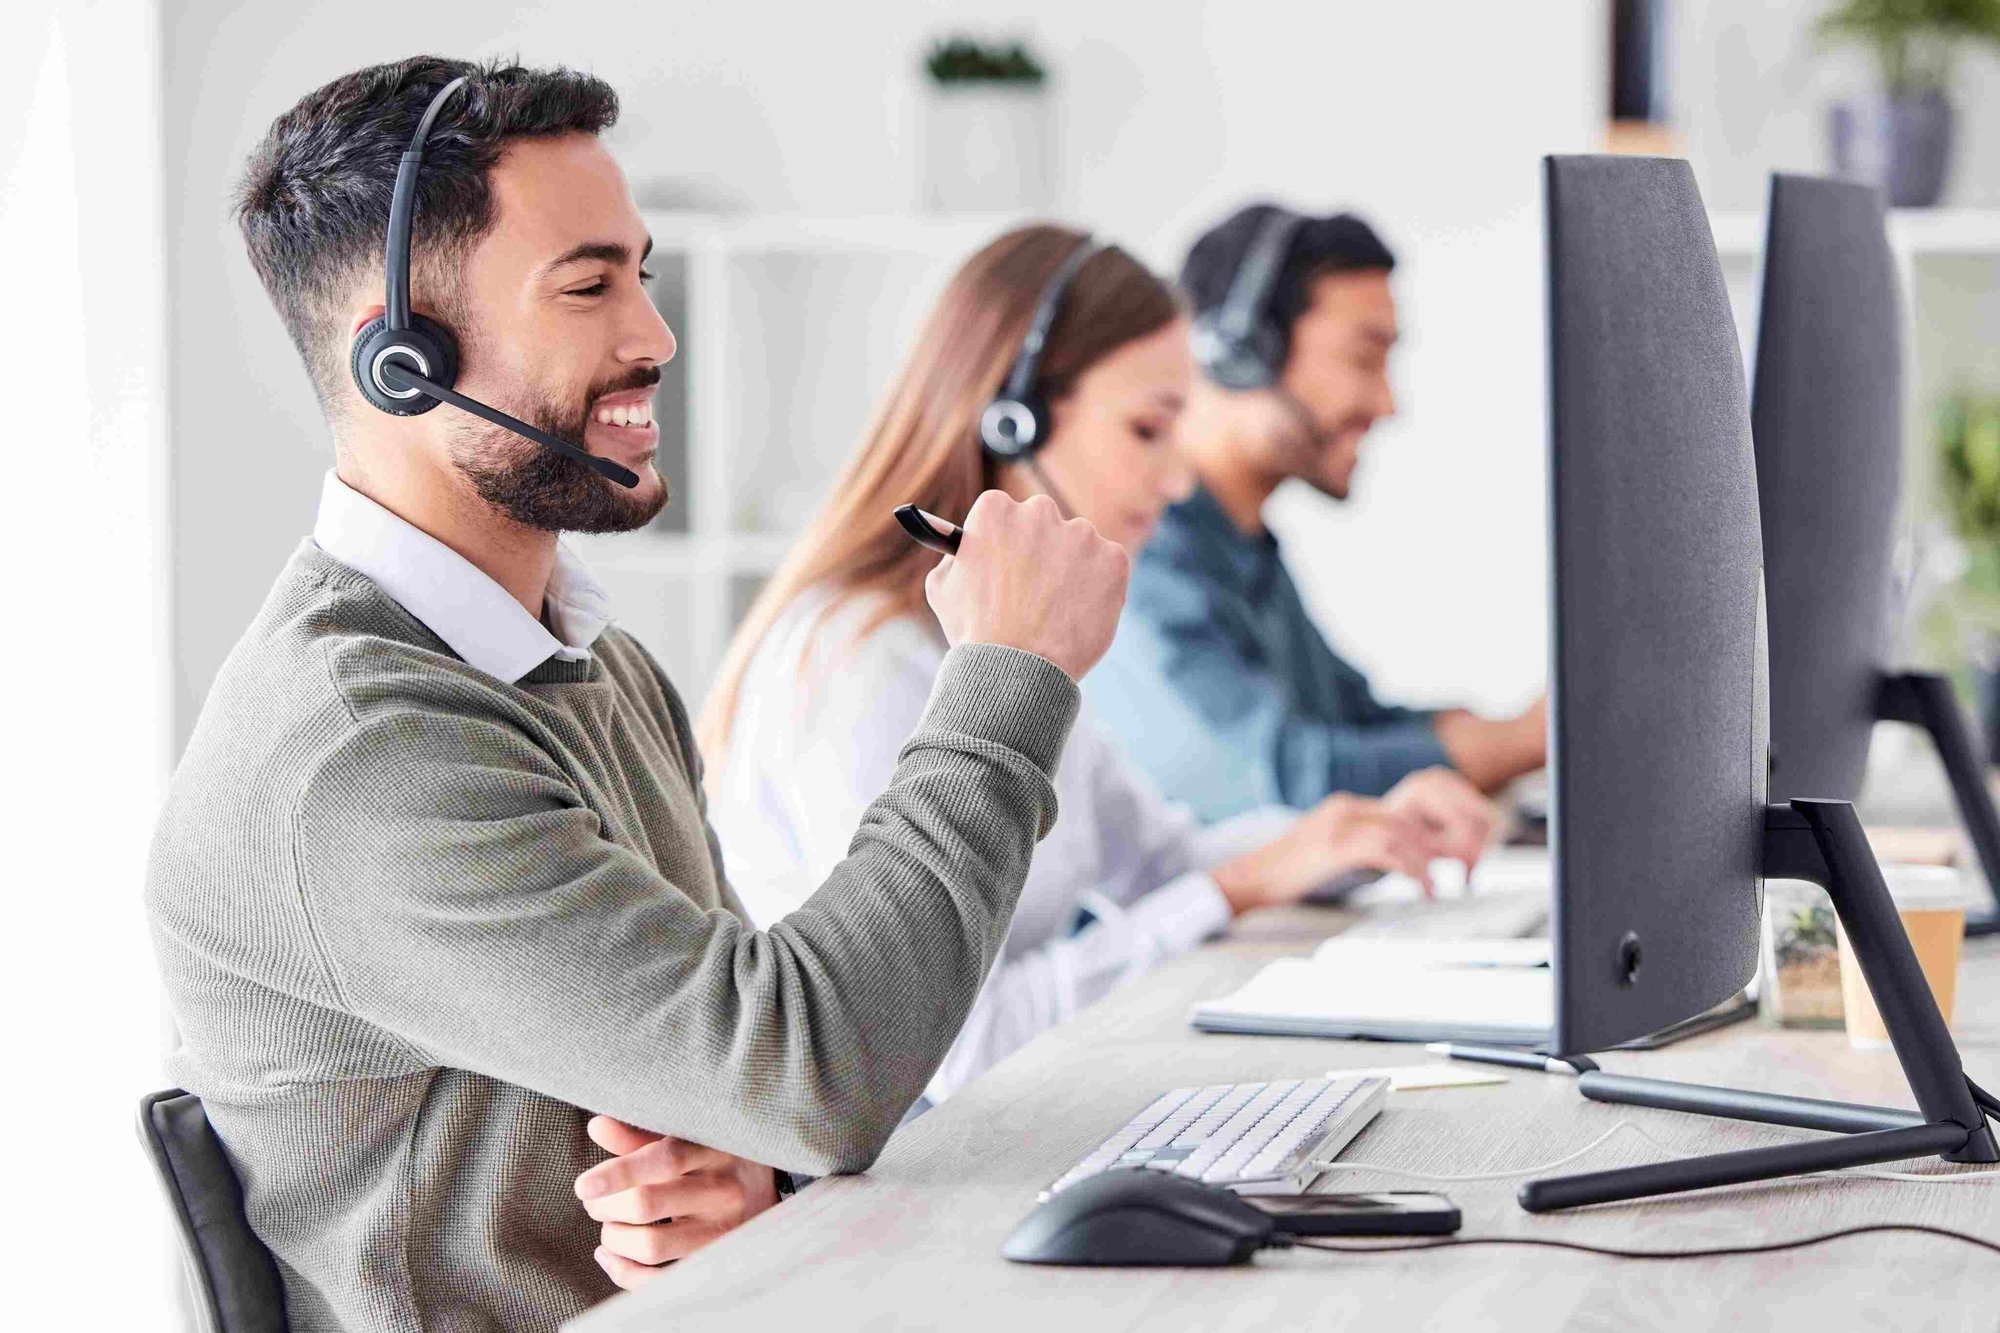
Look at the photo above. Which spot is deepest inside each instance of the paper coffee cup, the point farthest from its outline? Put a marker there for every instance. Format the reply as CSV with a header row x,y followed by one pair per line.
x,y
1931,901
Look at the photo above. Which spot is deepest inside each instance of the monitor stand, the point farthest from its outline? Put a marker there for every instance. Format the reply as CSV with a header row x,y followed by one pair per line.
x,y
1819,841
1924,699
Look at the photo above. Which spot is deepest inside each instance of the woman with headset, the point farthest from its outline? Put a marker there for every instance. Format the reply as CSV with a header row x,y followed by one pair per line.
x,y
1050,365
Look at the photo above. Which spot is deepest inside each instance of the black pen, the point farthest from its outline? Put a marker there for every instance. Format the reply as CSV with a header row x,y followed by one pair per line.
x,y
1512,1057
928,530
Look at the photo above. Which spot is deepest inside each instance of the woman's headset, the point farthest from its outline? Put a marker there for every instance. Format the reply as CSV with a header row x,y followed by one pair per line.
x,y
1016,424
406,364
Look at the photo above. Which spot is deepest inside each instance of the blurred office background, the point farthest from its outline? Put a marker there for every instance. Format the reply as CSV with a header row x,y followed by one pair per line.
x,y
805,179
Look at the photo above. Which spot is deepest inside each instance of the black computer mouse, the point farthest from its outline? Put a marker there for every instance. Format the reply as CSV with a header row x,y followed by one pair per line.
x,y
1135,1217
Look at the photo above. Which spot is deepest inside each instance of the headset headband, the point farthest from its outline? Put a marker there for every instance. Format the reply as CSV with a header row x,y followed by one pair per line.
x,y
1258,272
1021,379
402,207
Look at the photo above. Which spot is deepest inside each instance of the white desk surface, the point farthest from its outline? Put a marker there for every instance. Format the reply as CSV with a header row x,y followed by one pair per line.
x,y
914,1243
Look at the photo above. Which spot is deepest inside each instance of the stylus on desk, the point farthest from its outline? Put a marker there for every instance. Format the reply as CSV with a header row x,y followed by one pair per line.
x,y
1511,1057
928,530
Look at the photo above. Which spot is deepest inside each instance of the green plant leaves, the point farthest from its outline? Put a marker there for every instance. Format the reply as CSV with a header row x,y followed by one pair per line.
x,y
963,60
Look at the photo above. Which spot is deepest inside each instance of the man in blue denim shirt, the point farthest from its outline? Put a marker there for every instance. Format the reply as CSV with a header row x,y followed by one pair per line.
x,y
1219,683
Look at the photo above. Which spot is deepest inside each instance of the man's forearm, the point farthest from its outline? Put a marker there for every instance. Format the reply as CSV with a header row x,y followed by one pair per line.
x,y
1490,753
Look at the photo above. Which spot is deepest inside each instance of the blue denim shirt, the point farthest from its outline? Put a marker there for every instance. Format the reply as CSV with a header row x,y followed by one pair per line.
x,y
1223,689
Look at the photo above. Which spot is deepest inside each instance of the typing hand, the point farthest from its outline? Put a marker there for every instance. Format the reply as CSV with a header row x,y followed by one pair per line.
x,y
1339,834
661,1199
1451,807
1024,577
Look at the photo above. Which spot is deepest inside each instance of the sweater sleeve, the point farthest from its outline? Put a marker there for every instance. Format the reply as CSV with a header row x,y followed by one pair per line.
x,y
466,900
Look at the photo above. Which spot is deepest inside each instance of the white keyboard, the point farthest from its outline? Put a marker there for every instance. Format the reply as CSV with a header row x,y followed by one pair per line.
x,y
1254,1138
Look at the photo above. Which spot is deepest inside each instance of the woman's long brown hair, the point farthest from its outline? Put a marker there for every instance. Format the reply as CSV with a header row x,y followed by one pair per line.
x,y
922,447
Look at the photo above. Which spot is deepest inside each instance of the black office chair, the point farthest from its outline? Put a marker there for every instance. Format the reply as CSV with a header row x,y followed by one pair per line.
x,y
233,1277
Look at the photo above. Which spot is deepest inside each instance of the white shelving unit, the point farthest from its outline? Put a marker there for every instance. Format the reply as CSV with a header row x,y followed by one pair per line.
x,y
1948,263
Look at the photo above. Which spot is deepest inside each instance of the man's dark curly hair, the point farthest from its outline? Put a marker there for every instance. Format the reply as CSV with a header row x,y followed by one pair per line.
x,y
314,199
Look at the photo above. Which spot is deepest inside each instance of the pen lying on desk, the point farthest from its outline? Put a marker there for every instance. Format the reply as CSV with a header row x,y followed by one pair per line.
x,y
927,529
1512,1057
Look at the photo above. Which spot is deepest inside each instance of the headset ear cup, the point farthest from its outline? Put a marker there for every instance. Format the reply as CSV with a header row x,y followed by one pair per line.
x,y
1249,360
1013,426
426,346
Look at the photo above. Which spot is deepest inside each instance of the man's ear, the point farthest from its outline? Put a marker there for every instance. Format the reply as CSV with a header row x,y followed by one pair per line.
x,y
363,315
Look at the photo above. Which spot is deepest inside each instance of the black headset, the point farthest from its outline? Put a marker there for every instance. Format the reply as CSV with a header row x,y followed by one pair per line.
x,y
1016,423
406,364
1238,344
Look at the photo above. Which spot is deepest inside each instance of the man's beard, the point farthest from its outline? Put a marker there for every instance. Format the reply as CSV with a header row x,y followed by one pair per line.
x,y
539,487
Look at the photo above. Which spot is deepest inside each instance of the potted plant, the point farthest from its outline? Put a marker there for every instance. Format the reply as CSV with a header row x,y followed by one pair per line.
x,y
1801,981
1900,136
985,129
1964,623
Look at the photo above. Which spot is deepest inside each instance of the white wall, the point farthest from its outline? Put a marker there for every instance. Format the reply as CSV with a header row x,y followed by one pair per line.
x,y
85,524
1168,115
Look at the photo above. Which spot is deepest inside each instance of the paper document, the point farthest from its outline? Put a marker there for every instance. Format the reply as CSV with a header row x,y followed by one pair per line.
x,y
1411,1078
1335,994
1402,955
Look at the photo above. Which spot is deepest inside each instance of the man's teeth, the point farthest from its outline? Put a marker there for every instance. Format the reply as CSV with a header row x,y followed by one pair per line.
x,y
638,414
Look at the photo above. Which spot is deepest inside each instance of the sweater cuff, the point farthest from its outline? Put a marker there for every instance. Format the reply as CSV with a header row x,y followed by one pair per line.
x,y
1005,696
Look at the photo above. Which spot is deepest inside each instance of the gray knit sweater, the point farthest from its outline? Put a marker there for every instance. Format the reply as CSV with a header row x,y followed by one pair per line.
x,y
417,923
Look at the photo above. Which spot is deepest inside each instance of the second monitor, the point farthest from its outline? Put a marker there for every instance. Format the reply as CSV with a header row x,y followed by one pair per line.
x,y
1826,416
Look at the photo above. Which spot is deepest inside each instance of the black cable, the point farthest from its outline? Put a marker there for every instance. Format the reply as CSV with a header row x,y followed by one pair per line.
x,y
1716,1252
1048,487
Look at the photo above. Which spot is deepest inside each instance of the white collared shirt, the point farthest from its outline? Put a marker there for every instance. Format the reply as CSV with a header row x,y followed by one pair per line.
x,y
458,601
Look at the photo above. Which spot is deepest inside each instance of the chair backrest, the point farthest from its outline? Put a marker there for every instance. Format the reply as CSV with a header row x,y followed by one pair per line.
x,y
232,1275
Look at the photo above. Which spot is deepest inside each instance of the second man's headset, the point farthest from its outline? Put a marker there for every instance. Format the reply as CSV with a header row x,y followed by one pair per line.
x,y
406,364
1238,345
1016,424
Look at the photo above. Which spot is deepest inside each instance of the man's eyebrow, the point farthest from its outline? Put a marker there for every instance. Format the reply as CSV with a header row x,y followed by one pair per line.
x,y
609,252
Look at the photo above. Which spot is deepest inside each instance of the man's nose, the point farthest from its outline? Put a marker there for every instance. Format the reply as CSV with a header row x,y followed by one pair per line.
x,y
646,336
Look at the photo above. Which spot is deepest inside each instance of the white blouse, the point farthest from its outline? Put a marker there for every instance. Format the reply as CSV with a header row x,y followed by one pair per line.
x,y
815,741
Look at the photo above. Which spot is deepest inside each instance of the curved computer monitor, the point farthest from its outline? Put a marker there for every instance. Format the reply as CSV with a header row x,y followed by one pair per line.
x,y
1657,717
1826,416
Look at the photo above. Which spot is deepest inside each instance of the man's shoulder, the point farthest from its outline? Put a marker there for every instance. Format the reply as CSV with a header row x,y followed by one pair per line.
x,y
328,651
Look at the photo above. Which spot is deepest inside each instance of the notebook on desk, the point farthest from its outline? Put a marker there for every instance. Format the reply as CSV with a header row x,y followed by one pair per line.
x,y
1394,989
1480,991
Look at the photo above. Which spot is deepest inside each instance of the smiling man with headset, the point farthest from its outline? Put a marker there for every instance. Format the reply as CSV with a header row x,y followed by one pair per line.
x,y
1220,684
434,882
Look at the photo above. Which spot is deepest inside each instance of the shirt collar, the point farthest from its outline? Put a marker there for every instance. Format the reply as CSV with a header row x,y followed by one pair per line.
x,y
1209,528
459,602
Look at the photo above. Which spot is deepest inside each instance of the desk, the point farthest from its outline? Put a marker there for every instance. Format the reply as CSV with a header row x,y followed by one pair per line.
x,y
915,1242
